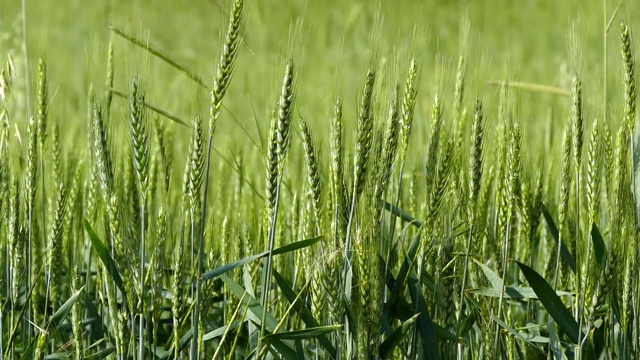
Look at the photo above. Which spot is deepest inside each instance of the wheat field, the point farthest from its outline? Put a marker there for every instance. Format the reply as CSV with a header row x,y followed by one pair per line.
x,y
235,179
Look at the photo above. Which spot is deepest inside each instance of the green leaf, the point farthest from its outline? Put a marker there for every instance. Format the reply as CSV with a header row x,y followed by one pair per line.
x,y
153,108
220,331
599,248
554,342
390,343
104,256
425,325
102,353
514,292
309,333
297,245
468,324
256,313
401,279
145,45
302,311
59,356
403,215
231,266
564,250
527,338
211,274
494,279
63,311
552,303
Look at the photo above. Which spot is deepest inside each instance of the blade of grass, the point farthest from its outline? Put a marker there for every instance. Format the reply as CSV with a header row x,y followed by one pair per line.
x,y
153,108
548,89
153,50
310,333
564,250
393,340
552,303
104,256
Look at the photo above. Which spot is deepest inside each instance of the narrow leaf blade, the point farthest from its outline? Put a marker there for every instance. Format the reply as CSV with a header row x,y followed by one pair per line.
x,y
551,302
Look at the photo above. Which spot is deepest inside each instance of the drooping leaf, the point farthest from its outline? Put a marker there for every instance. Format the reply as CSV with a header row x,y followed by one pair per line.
x,y
425,325
390,343
599,248
231,266
257,311
403,215
564,250
102,354
494,279
527,338
104,256
59,356
309,333
305,315
155,51
220,331
58,317
551,302
279,251
468,324
514,292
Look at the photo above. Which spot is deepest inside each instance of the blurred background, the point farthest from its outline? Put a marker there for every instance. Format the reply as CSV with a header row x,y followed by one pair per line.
x,y
332,42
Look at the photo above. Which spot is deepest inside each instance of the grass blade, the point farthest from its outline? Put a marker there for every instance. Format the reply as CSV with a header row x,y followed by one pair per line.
x,y
599,248
387,346
104,256
153,108
153,50
552,302
303,312
564,250
279,251
63,311
309,333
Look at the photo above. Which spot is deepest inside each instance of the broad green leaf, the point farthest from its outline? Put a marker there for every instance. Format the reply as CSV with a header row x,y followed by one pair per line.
x,y
403,215
220,331
279,251
425,325
63,311
564,250
303,312
599,248
401,279
28,352
59,356
309,333
231,266
468,324
256,309
104,256
102,353
527,338
513,292
494,279
552,302
390,343
297,245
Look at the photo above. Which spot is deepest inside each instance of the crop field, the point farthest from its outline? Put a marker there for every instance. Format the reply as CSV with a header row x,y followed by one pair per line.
x,y
307,179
